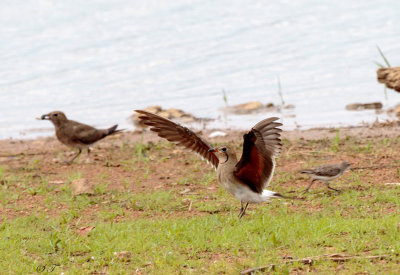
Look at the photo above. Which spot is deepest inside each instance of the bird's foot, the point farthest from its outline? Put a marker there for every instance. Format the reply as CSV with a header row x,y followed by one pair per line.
x,y
337,190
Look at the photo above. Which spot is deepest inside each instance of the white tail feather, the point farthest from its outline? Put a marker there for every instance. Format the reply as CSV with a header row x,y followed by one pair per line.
x,y
266,195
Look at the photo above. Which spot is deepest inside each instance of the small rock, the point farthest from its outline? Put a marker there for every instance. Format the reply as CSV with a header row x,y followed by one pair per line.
x,y
245,108
175,113
270,105
165,114
396,110
289,106
153,109
82,186
390,77
249,106
171,113
364,106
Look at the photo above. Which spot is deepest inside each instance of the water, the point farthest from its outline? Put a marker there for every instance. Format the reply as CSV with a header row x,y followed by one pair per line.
x,y
99,60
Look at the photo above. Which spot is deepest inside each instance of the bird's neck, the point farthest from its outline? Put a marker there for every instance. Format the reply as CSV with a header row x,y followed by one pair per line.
x,y
59,123
227,160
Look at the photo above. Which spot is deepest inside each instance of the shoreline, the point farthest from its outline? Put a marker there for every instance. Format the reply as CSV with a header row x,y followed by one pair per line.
x,y
228,122
376,129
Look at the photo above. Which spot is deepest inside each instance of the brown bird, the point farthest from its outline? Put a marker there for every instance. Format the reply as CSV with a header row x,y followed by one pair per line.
x,y
326,173
75,134
246,178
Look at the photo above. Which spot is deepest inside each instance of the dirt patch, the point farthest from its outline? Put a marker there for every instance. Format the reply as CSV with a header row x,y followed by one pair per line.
x,y
140,162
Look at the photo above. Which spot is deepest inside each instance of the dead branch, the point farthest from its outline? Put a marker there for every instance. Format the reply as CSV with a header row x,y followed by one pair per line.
x,y
311,260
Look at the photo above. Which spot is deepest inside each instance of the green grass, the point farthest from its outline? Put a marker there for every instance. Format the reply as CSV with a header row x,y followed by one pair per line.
x,y
383,66
166,246
224,97
336,142
211,243
164,237
384,59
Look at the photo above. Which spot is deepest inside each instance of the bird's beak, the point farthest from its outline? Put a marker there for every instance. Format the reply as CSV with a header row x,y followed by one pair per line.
x,y
212,150
45,117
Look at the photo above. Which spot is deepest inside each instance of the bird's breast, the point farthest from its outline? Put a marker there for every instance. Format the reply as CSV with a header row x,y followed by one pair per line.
x,y
226,178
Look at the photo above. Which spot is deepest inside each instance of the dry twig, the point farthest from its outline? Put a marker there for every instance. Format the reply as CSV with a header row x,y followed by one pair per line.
x,y
311,260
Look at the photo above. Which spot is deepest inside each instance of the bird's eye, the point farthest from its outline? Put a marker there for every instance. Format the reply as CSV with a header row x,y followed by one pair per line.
x,y
224,149
55,115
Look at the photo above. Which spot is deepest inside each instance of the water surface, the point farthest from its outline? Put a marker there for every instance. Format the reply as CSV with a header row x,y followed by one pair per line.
x,y
99,60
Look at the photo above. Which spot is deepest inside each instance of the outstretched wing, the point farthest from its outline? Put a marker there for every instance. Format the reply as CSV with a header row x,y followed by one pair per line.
x,y
260,147
173,132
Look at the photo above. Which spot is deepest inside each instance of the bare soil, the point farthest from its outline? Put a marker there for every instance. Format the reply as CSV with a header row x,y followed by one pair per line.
x,y
115,162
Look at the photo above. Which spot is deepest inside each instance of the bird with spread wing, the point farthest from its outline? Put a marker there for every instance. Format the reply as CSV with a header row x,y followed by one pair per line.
x,y
247,178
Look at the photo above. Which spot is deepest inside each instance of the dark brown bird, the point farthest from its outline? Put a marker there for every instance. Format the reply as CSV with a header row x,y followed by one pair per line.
x,y
75,134
246,178
326,173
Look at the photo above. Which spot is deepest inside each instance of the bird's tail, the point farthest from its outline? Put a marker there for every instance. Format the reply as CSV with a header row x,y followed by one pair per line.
x,y
113,130
270,194
306,171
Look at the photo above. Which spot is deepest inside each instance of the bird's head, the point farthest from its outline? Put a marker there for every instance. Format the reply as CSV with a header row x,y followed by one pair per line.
x,y
224,153
345,165
57,117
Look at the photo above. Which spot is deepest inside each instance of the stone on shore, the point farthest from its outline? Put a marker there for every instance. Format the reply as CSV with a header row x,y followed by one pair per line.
x,y
171,113
364,106
390,77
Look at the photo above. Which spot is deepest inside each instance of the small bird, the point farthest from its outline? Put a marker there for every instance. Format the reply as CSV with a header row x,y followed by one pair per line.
x,y
246,178
75,134
326,173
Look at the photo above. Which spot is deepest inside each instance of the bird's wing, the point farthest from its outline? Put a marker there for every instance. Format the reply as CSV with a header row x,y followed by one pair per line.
x,y
84,134
326,171
260,147
173,132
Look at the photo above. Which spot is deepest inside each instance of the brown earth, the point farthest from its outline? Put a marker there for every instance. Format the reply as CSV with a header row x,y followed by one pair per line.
x,y
116,162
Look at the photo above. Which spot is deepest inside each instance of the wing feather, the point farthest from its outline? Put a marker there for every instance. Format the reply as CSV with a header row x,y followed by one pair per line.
x,y
260,147
84,134
173,132
327,170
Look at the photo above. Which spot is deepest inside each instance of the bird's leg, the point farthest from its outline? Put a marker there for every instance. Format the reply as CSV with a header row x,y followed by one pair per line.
x,y
243,210
79,152
88,155
327,185
309,186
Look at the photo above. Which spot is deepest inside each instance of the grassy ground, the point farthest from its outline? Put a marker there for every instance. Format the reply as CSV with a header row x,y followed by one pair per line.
x,y
157,209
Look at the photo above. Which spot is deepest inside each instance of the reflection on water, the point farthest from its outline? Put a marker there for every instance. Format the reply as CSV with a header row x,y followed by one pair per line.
x,y
99,60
